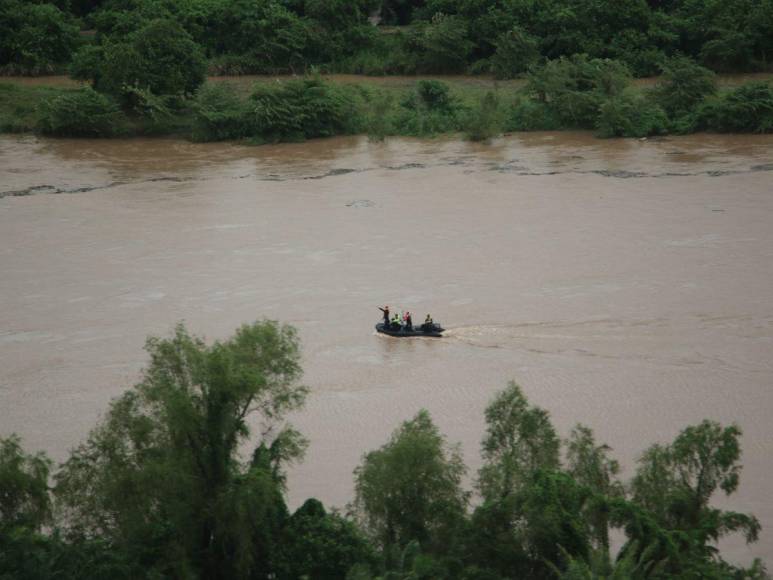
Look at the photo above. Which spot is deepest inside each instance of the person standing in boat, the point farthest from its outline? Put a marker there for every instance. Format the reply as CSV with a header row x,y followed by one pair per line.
x,y
428,323
408,322
385,310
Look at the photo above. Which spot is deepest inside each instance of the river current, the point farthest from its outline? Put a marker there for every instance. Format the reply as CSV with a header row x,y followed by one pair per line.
x,y
624,284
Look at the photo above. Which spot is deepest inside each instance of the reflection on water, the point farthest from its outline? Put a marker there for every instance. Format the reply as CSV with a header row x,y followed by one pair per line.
x,y
625,284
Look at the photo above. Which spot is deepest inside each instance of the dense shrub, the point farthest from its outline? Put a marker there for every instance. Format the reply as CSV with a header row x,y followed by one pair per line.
x,y
530,115
630,115
219,113
574,88
379,121
432,94
82,113
428,109
301,109
683,85
483,121
317,544
746,109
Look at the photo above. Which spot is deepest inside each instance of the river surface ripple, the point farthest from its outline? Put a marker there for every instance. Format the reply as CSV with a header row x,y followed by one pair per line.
x,y
625,284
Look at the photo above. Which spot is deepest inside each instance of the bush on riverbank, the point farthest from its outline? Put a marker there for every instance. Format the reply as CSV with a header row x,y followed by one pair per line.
x,y
301,109
218,113
82,113
630,115
573,89
746,109
568,94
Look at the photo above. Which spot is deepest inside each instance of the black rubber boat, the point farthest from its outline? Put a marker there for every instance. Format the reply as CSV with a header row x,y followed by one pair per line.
x,y
436,331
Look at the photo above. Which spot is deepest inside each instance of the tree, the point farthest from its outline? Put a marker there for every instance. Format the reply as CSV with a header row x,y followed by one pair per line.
x,y
269,37
590,465
516,51
442,44
676,483
519,440
161,57
321,545
35,38
24,499
161,474
410,489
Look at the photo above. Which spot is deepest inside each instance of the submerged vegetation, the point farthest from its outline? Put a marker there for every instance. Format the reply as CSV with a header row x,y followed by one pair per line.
x,y
159,489
578,57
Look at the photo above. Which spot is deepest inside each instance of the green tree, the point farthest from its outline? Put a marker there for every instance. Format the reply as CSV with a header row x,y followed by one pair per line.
x,y
442,45
321,545
265,34
590,465
516,51
519,440
161,57
675,483
24,498
161,474
410,489
35,38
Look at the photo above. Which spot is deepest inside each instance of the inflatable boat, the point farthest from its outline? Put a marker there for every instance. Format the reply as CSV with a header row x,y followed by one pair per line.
x,y
434,330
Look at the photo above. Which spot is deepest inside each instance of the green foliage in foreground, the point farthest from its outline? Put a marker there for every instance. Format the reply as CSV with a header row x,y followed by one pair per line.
x,y
160,490
161,474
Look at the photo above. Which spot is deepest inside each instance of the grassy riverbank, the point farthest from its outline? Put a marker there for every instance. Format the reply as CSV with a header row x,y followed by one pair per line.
x,y
570,94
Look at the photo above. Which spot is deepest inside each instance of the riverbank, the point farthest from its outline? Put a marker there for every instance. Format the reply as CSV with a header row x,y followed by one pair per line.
x,y
479,106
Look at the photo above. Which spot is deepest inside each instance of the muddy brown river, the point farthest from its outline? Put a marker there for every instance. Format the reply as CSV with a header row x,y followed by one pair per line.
x,y
625,284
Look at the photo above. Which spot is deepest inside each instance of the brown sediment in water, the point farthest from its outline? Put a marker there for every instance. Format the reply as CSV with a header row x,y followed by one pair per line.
x,y
625,284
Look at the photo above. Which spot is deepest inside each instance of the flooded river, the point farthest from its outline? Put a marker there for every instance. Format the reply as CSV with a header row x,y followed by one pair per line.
x,y
624,284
